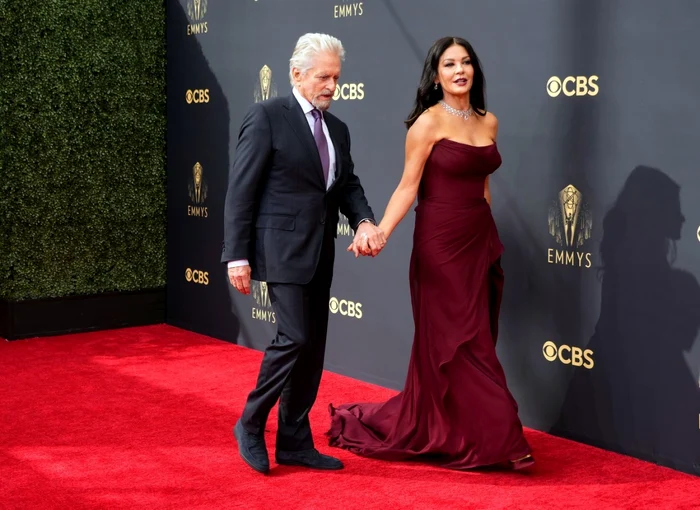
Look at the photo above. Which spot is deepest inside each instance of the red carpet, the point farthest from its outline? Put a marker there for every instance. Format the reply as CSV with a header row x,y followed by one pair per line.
x,y
141,418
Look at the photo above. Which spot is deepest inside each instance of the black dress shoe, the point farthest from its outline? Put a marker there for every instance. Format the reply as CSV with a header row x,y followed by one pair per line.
x,y
252,449
307,458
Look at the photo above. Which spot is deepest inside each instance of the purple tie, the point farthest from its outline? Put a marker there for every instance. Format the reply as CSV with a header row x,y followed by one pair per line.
x,y
321,142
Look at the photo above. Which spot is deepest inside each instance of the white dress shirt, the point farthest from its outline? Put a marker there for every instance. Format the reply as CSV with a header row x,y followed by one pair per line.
x,y
306,107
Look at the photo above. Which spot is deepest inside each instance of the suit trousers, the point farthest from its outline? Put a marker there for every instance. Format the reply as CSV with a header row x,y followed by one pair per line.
x,y
292,365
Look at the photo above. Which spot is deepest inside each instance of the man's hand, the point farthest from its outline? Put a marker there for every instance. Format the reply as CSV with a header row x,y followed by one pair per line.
x,y
240,278
369,240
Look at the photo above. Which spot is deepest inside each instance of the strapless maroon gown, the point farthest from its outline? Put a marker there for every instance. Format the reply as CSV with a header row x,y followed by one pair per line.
x,y
455,407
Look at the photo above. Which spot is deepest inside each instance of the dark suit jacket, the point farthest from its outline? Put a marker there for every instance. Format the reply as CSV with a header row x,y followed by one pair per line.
x,y
277,208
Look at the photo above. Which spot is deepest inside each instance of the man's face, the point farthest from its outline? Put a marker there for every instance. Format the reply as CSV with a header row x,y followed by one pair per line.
x,y
317,86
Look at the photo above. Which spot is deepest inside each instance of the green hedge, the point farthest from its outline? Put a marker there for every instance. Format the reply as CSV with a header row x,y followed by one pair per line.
x,y
82,175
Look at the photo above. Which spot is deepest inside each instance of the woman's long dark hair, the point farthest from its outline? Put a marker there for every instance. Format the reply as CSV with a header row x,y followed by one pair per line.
x,y
427,96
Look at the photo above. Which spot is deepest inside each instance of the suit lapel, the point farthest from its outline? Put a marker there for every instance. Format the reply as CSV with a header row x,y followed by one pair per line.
x,y
335,138
297,120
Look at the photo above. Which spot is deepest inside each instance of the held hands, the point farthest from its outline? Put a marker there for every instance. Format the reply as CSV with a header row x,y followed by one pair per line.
x,y
240,278
369,240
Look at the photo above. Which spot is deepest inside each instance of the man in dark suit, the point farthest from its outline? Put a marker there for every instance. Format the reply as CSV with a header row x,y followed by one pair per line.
x,y
292,173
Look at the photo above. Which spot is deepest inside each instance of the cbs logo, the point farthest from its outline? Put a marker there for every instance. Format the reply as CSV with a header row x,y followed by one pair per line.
x,y
698,234
196,276
350,91
345,307
573,86
568,355
197,96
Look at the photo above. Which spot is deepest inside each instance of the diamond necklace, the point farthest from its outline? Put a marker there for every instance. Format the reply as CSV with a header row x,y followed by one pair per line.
x,y
465,114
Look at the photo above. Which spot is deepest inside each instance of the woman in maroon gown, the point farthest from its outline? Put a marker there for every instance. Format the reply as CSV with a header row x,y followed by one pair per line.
x,y
455,408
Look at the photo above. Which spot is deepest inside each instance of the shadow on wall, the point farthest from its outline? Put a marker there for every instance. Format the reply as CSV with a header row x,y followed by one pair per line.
x,y
198,162
642,397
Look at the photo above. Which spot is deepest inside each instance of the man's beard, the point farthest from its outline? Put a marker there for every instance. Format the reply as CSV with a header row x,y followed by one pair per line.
x,y
322,105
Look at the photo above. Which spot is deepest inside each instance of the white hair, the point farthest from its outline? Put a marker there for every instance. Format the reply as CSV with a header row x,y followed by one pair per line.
x,y
308,47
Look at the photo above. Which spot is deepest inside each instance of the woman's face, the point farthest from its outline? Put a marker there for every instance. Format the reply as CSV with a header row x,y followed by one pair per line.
x,y
455,72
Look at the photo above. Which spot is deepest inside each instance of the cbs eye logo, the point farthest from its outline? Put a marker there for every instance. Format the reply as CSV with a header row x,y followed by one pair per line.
x,y
196,276
698,234
568,355
573,86
345,307
197,96
349,91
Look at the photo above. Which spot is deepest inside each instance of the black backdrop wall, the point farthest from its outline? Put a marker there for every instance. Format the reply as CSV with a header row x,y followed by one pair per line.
x,y
599,123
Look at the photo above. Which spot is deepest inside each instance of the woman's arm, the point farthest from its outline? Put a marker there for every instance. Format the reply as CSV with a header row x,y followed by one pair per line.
x,y
419,142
